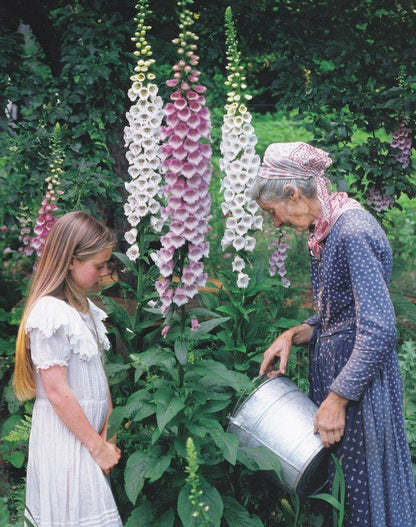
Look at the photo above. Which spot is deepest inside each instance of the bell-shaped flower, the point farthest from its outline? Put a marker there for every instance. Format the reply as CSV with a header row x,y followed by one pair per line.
x,y
243,280
186,163
239,161
238,264
142,138
46,218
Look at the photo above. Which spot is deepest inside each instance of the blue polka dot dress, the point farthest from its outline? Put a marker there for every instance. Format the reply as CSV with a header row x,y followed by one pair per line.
x,y
352,352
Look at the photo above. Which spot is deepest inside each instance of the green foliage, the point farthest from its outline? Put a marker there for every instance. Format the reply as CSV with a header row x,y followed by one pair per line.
x,y
407,360
342,78
353,62
84,100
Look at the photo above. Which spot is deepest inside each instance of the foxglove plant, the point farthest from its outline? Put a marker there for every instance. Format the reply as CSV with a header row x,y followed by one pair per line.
x,y
46,217
379,199
278,257
186,164
142,138
239,161
402,140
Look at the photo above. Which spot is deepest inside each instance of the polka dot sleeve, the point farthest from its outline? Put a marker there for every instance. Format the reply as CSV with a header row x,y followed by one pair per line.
x,y
376,332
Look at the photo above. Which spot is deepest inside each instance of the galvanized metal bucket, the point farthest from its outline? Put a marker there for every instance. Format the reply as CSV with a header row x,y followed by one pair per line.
x,y
280,417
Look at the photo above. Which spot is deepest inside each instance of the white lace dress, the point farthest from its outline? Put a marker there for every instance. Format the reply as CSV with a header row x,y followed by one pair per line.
x,y
65,486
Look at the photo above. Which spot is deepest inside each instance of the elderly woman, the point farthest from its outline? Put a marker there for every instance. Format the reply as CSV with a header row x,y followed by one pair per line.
x,y
353,369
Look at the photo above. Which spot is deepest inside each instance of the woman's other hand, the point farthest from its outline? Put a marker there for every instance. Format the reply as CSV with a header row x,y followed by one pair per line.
x,y
280,349
330,419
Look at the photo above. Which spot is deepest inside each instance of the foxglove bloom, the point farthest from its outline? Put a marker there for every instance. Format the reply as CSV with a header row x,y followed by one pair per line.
x,y
142,138
46,217
186,164
402,140
278,257
379,199
239,162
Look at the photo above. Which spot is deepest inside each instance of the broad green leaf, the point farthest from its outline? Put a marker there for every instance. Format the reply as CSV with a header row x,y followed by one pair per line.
x,y
116,418
181,351
137,467
4,512
125,261
112,368
237,516
141,466
159,468
164,414
210,497
206,327
215,406
143,515
154,357
17,458
140,405
259,458
216,374
227,443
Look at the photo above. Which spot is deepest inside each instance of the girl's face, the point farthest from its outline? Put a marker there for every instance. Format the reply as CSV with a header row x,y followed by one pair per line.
x,y
87,274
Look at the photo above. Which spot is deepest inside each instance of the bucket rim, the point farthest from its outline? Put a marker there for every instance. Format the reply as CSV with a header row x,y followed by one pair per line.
x,y
240,403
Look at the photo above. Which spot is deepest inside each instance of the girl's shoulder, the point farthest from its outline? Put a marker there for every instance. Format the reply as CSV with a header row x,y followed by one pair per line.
x,y
85,333
49,314
96,312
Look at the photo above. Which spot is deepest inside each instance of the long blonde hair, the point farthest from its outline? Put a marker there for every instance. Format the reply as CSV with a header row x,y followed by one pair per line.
x,y
74,234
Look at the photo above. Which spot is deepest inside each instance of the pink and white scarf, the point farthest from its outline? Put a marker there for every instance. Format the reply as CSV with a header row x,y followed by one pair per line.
x,y
301,161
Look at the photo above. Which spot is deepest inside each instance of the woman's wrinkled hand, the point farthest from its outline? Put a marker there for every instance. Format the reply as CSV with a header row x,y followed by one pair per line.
x,y
280,349
330,419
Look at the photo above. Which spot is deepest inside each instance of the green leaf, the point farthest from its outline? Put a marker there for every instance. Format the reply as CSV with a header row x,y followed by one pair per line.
x,y
237,516
181,351
140,405
210,497
116,418
214,373
159,467
17,458
206,327
138,466
112,368
143,515
228,443
164,414
259,458
404,307
329,499
155,357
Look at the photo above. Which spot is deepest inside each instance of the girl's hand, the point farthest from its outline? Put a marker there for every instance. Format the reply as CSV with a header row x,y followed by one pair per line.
x,y
330,419
106,455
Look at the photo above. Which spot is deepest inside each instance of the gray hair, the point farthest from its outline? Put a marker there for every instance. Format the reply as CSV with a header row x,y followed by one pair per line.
x,y
279,189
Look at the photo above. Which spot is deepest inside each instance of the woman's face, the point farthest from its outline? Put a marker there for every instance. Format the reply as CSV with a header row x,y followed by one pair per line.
x,y
87,274
296,211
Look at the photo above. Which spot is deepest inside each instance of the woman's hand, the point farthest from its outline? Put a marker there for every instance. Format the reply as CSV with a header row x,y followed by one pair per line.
x,y
280,349
106,455
330,419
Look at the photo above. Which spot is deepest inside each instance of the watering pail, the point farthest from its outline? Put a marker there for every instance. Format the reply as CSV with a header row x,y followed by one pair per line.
x,y
280,417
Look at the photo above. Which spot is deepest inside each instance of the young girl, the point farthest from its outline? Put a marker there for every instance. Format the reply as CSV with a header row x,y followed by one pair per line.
x,y
58,360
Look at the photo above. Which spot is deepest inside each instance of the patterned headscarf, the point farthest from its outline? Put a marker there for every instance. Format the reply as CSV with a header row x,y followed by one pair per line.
x,y
302,161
